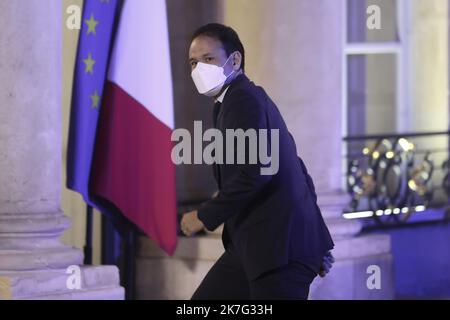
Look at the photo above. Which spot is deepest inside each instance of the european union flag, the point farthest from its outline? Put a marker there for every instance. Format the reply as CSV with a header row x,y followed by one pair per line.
x,y
91,67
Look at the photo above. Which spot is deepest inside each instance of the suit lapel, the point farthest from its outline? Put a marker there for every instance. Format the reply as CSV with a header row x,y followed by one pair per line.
x,y
217,113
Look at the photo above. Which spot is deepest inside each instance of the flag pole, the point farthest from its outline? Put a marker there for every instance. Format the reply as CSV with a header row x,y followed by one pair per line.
x,y
88,242
130,263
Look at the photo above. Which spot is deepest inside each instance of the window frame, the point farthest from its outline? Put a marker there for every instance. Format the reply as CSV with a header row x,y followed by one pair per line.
x,y
399,49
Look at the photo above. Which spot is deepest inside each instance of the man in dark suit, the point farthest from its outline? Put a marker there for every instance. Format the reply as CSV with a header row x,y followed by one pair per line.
x,y
275,239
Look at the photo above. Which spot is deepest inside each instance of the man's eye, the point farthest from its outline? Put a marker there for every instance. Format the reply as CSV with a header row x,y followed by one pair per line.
x,y
209,59
193,64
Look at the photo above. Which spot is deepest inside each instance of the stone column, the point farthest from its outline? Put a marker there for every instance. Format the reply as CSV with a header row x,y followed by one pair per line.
x,y
294,49
428,59
33,262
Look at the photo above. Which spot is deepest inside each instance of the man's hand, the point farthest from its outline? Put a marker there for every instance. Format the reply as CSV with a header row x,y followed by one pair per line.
x,y
191,224
327,264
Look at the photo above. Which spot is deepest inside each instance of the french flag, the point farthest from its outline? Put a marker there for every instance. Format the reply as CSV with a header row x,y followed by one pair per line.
x,y
131,164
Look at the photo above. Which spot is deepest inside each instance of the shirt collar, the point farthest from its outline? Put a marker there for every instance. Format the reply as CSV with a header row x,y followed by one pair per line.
x,y
238,78
220,98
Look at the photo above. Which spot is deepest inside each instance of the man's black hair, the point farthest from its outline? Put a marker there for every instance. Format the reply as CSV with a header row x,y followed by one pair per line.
x,y
226,35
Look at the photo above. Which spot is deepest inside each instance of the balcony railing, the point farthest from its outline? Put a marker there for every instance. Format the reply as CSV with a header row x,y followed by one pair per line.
x,y
392,178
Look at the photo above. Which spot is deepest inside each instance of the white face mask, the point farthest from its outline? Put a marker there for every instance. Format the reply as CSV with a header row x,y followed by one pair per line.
x,y
209,78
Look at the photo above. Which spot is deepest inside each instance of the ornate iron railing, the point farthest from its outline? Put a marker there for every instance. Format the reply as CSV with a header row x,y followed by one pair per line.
x,y
391,177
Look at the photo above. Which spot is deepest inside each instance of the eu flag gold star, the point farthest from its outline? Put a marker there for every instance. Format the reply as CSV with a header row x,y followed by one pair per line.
x,y
92,24
89,62
95,99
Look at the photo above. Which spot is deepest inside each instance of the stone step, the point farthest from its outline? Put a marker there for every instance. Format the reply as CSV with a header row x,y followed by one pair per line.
x,y
28,284
210,247
107,293
362,246
331,203
341,228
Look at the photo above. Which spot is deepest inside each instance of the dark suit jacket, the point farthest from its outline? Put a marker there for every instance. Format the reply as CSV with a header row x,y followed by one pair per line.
x,y
269,219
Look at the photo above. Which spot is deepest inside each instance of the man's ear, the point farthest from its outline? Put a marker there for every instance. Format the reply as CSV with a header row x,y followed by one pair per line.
x,y
237,60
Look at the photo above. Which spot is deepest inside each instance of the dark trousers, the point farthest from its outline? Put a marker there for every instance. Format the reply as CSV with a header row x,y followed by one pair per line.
x,y
227,281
